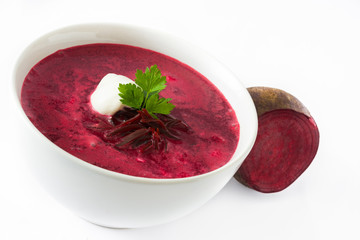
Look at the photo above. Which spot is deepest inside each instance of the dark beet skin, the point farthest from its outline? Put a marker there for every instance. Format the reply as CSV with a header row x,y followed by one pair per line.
x,y
286,144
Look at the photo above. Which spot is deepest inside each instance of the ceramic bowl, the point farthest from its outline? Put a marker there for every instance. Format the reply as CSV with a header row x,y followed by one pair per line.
x,y
117,200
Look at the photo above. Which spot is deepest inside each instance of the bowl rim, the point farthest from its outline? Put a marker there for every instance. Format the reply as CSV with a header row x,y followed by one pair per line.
x,y
103,171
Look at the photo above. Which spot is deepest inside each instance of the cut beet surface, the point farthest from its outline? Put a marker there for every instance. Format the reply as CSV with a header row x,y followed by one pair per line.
x,y
286,143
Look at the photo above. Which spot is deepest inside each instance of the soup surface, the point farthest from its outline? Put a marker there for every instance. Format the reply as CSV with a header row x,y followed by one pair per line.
x,y
56,98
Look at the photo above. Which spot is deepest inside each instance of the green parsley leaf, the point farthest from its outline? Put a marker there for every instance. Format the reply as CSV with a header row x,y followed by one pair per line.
x,y
159,105
151,80
131,95
146,93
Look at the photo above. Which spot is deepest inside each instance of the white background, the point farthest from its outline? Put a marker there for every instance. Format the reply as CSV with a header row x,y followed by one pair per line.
x,y
308,48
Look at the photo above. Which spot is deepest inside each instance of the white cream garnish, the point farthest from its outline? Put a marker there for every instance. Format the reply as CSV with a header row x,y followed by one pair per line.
x,y
105,99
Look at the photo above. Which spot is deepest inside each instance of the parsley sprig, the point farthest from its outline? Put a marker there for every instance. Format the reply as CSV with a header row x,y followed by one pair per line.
x,y
145,93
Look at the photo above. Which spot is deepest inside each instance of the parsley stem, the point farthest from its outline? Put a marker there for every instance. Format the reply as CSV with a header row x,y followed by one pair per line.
x,y
143,105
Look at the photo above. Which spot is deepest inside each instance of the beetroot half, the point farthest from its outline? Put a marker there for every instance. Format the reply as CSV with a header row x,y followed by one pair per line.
x,y
286,143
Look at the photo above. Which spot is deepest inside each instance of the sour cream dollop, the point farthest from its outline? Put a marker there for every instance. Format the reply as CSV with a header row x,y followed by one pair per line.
x,y
105,99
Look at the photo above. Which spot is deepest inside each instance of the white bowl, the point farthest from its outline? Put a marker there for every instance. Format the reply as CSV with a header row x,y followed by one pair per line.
x,y
117,200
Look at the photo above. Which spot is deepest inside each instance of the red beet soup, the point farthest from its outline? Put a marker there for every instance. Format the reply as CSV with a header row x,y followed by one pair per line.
x,y
56,98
